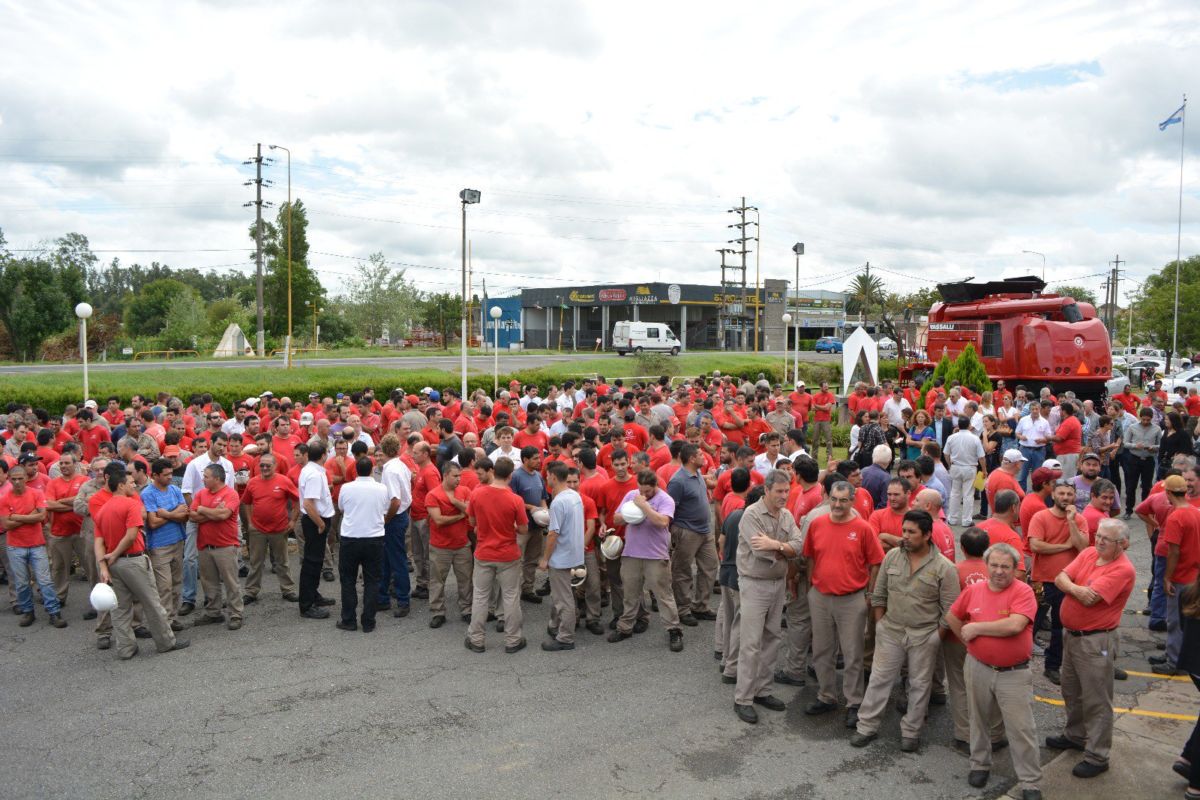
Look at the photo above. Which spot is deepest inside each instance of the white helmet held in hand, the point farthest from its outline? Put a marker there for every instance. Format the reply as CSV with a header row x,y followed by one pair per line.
x,y
612,546
578,576
631,513
541,517
103,597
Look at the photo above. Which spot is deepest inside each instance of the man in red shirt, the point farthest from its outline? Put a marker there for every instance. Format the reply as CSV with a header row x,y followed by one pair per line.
x,y
1182,535
994,618
268,495
215,510
1056,536
888,522
614,491
65,543
843,557
498,516
1041,484
122,561
591,583
22,513
1005,477
425,478
1095,587
1006,509
449,548
91,434
1068,439
823,404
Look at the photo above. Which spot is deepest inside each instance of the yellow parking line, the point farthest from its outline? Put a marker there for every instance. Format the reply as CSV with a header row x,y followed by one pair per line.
x,y
1156,675
1137,712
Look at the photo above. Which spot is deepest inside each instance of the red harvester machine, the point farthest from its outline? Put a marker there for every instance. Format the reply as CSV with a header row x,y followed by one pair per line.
x,y
1023,336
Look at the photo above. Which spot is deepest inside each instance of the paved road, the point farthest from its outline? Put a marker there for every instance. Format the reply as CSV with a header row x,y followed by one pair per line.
x,y
480,363
287,707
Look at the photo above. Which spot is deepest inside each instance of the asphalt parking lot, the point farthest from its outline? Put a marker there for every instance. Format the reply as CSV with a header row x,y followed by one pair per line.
x,y
287,707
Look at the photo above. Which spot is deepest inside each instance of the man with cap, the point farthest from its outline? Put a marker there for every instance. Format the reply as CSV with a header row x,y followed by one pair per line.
x,y
1005,476
1089,472
1181,532
1095,587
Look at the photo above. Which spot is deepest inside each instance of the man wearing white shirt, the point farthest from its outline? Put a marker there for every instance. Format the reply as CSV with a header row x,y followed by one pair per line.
x,y
1032,433
765,462
894,409
316,515
193,482
364,504
235,425
955,405
397,479
972,412
966,455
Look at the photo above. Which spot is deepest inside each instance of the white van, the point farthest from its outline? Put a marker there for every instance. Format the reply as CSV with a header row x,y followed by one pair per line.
x,y
634,337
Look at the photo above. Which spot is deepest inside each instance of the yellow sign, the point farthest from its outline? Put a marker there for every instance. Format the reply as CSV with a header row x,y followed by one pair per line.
x,y
581,297
643,290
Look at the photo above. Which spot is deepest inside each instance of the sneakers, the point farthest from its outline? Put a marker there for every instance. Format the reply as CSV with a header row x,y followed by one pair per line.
x,y
675,640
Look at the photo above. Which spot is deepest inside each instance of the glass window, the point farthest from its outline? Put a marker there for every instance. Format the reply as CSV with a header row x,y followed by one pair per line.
x,y
993,344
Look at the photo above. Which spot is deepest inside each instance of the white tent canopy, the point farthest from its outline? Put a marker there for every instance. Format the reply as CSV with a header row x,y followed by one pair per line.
x,y
233,343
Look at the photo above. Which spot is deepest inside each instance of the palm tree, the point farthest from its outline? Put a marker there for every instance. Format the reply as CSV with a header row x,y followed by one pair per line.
x,y
863,292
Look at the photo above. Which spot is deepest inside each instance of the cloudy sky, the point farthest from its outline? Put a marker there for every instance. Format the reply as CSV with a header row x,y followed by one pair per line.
x,y
936,140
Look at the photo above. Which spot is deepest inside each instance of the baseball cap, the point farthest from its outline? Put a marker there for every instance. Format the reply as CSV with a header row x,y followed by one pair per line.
x,y
435,395
33,458
1089,457
1013,455
267,394
1052,463
313,395
1043,475
427,390
89,404
251,401
800,384
170,450
1175,484
412,399
306,418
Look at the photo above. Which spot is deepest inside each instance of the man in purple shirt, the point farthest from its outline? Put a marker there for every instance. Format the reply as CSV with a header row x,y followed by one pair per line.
x,y
646,558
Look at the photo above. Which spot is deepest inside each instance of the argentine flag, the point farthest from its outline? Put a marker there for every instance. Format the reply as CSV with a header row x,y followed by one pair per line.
x,y
1173,119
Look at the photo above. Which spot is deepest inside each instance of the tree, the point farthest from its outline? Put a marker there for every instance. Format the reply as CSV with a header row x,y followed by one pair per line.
x,y
38,293
1154,308
940,371
1080,294
380,299
305,285
864,292
186,321
969,371
221,313
147,312
442,312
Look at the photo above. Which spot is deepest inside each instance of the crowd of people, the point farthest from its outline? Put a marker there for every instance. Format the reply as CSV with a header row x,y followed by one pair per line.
x,y
966,536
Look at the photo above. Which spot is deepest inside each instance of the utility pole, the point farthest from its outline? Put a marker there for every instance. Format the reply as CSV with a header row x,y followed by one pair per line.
x,y
744,251
1114,281
723,314
257,161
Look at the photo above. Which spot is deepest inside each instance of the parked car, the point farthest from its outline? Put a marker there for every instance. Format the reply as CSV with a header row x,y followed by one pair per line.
x,y
829,344
634,337
1187,379
1116,384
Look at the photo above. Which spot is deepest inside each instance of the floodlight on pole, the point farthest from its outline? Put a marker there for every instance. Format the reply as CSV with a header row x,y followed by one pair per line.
x,y
798,249
1043,255
468,197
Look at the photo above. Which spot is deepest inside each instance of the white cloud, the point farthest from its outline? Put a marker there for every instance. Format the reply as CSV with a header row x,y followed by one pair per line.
x,y
936,140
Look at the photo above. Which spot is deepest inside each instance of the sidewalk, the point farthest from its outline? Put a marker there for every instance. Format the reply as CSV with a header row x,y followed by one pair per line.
x,y
1144,748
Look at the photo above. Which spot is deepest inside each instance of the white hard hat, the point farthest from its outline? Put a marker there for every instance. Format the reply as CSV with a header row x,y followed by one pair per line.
x,y
103,597
541,517
631,513
612,546
578,576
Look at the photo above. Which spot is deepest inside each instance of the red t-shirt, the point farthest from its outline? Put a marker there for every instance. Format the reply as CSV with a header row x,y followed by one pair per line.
x,y
842,554
1093,516
971,571
1052,530
805,500
821,399
1192,404
864,504
636,435
659,457
90,439
943,539
28,502
801,405
754,429
884,520
978,603
524,438
998,481
496,511
725,483
731,503
454,535
65,523
348,472
268,500
1183,529
223,533
424,480
666,472
1072,432
590,512
117,515
614,493
1113,582
1031,504
998,533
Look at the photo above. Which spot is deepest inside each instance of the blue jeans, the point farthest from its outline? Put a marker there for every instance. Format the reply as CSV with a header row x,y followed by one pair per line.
x,y
1034,457
191,566
1158,597
24,561
395,562
1054,597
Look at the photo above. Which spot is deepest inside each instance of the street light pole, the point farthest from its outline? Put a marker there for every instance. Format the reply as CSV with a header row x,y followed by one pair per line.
x,y
83,311
787,320
1043,255
467,196
495,313
798,249
288,354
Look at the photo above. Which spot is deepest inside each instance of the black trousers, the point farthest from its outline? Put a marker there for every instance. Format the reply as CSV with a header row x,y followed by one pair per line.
x,y
1137,470
311,560
366,554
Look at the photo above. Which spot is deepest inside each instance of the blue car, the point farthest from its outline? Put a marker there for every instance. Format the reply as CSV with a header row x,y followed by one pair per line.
x,y
829,344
